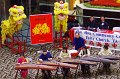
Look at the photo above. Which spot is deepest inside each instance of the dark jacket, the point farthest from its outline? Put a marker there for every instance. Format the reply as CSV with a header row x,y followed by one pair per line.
x,y
103,25
78,43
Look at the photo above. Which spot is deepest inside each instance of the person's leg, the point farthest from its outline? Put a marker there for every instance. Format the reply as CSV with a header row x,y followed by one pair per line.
x,y
106,67
49,74
83,69
65,72
24,73
44,74
108,71
87,68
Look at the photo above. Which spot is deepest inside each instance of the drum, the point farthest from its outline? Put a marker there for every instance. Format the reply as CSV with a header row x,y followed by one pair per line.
x,y
73,53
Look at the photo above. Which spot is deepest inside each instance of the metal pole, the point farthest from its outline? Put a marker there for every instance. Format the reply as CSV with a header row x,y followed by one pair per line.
x,y
1,7
29,6
4,9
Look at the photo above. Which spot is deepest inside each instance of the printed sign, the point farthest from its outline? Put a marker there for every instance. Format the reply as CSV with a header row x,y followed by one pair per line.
x,y
41,28
97,39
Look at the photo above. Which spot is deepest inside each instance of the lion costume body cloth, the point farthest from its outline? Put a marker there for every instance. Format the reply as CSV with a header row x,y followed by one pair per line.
x,y
14,22
61,16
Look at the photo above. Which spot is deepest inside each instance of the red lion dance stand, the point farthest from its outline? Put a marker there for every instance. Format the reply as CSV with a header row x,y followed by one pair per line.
x,y
61,17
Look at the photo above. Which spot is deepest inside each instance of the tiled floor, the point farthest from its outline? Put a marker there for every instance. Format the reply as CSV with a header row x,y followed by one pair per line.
x,y
8,60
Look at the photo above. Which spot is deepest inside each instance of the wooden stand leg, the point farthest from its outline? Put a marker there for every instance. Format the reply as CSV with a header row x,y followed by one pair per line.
x,y
16,74
61,36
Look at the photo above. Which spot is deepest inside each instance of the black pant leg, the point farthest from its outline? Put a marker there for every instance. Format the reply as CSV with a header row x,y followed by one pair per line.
x,y
66,71
83,68
106,67
87,68
45,76
49,74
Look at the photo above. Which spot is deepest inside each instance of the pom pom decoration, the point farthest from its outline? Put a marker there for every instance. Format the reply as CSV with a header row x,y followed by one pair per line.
x,y
91,43
61,15
14,22
99,44
107,44
114,45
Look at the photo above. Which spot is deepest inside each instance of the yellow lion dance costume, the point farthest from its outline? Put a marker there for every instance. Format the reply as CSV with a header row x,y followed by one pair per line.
x,y
61,15
117,1
14,22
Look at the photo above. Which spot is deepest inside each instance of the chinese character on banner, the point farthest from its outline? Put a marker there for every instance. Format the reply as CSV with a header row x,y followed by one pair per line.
x,y
41,28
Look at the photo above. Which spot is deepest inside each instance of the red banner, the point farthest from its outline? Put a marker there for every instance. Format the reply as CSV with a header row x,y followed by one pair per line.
x,y
41,28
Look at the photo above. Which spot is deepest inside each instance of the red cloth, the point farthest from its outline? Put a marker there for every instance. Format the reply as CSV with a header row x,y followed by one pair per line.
x,y
71,34
23,72
107,31
74,55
